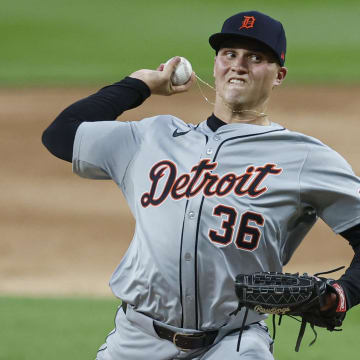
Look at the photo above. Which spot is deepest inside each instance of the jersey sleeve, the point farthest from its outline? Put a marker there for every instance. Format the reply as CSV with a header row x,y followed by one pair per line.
x,y
329,185
104,149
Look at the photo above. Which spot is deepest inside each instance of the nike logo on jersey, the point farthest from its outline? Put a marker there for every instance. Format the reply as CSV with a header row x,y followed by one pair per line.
x,y
177,133
165,182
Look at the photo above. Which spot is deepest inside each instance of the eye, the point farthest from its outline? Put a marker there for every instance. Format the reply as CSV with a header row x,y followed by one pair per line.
x,y
230,54
255,58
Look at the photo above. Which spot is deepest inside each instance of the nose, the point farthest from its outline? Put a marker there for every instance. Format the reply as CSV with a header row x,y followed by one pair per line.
x,y
240,64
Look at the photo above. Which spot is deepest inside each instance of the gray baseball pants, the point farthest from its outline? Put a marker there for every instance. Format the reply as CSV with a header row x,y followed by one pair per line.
x,y
134,338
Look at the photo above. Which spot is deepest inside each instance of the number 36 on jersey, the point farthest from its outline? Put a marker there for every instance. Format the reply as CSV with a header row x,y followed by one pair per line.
x,y
165,182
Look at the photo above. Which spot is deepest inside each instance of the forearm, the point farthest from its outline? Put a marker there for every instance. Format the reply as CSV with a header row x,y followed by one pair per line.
x,y
105,105
350,281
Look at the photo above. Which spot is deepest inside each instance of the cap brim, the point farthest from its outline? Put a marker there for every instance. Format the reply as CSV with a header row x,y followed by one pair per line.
x,y
216,40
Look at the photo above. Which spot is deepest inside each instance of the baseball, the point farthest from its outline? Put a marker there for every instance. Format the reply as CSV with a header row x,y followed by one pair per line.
x,y
182,73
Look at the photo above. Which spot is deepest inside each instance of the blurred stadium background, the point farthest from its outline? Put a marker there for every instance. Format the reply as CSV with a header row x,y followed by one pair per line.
x,y
62,236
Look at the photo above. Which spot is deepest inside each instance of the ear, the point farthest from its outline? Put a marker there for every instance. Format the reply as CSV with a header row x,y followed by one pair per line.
x,y
280,76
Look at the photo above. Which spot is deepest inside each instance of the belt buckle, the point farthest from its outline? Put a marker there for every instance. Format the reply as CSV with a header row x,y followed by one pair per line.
x,y
188,335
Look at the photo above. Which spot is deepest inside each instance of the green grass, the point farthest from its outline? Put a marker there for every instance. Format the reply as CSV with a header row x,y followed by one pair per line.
x,y
328,346
57,329
36,329
87,42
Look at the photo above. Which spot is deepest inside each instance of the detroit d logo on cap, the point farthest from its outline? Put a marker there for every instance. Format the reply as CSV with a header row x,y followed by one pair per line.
x,y
248,22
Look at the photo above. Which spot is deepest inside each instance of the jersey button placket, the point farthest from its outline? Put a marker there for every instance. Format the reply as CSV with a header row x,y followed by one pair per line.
x,y
211,146
188,256
188,280
189,268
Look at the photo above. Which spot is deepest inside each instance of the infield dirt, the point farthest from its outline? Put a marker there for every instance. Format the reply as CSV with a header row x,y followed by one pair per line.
x,y
63,235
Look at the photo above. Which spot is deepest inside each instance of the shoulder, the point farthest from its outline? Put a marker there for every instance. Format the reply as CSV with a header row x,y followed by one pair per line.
x,y
300,138
154,126
319,154
160,124
164,119
310,142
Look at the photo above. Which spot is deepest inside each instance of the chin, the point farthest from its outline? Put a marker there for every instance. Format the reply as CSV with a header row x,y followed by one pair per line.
x,y
236,100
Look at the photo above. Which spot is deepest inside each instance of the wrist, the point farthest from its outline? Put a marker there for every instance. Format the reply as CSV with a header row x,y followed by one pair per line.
x,y
341,298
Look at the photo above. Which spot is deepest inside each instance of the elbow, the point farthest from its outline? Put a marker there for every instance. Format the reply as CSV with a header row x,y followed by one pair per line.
x,y
56,144
49,140
46,138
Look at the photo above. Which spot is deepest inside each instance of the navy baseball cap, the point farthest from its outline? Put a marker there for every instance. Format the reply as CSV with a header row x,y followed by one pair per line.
x,y
253,25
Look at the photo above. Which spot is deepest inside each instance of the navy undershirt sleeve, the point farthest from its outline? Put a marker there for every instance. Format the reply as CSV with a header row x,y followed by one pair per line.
x,y
350,281
105,105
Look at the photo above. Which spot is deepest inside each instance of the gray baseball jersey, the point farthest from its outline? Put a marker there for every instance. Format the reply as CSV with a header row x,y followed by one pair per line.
x,y
209,205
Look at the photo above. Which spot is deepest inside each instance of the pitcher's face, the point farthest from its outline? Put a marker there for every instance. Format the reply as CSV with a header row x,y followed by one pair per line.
x,y
245,73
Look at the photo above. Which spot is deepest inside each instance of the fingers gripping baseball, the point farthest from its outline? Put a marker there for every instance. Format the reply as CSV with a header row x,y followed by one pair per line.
x,y
159,80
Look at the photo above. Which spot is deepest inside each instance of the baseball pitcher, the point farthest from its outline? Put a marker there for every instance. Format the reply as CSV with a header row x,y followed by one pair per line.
x,y
232,195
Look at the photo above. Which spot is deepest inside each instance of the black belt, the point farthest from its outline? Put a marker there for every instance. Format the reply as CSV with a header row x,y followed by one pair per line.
x,y
184,341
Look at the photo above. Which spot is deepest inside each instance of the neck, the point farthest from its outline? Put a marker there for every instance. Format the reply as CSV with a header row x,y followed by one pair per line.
x,y
243,114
